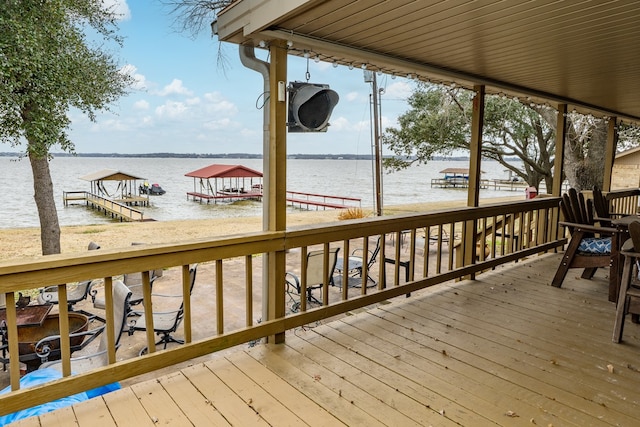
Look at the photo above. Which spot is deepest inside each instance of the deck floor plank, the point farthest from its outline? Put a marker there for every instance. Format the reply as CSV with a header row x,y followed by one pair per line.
x,y
433,371
363,398
31,422
196,407
126,408
494,374
162,409
94,412
345,411
231,406
258,399
360,388
556,334
423,406
309,411
60,418
494,398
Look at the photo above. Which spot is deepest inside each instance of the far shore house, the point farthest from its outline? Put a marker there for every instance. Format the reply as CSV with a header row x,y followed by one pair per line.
x,y
225,182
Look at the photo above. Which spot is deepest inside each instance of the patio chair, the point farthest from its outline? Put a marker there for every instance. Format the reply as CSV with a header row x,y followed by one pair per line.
x,y
165,323
133,281
590,246
602,210
316,275
629,292
355,261
99,357
75,293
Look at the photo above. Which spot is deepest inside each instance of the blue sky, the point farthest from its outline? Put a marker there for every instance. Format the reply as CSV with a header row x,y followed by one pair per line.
x,y
184,102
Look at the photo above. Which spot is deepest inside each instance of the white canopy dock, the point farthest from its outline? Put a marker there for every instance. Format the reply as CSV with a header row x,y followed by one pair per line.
x,y
126,190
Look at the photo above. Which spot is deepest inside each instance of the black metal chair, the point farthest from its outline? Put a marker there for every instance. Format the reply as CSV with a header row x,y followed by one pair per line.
x,y
99,357
165,323
75,292
356,261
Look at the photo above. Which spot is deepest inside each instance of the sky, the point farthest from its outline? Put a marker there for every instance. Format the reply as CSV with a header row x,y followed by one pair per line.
x,y
184,102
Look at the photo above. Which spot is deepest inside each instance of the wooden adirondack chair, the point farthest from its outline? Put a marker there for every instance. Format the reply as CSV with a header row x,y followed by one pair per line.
x,y
591,246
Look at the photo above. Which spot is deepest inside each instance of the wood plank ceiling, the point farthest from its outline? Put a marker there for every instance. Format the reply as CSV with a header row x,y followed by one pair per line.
x,y
580,52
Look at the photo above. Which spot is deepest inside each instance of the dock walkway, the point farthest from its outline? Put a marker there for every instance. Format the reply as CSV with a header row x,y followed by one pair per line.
x,y
115,209
201,197
309,200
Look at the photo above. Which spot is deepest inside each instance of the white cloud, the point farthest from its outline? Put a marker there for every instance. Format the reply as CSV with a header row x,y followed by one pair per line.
x,y
352,96
216,103
139,80
174,88
248,132
219,124
141,105
119,8
171,109
399,89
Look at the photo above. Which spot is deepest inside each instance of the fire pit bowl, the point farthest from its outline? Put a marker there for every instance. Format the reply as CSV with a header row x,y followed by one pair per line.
x,y
28,336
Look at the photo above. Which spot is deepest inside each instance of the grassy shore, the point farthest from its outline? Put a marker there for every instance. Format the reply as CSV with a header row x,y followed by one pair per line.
x,y
25,242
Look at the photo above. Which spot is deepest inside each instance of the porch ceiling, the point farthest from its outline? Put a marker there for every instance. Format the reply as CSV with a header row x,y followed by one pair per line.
x,y
582,53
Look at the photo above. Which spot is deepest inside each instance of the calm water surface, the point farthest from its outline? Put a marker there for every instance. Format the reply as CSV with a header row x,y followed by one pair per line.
x,y
349,178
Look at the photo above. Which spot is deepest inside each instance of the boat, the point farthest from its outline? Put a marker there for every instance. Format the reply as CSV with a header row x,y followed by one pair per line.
x,y
153,190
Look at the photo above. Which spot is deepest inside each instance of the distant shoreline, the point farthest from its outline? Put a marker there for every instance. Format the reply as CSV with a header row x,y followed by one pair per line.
x,y
241,156
224,156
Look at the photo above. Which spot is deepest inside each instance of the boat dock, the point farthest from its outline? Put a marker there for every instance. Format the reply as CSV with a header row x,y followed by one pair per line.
x,y
309,200
223,196
116,209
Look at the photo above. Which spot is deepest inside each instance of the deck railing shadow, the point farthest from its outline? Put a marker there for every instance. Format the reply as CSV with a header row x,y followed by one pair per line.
x,y
411,262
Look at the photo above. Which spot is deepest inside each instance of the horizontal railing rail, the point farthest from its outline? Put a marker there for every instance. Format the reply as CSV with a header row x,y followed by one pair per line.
x,y
415,252
624,201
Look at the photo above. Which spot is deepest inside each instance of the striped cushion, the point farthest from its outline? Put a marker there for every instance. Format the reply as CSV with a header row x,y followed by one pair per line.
x,y
595,245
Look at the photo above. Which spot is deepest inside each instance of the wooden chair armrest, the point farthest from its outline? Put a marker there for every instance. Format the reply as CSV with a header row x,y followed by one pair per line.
x,y
591,228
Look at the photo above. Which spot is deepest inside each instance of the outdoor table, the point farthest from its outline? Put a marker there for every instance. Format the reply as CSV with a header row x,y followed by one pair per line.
x,y
622,225
31,315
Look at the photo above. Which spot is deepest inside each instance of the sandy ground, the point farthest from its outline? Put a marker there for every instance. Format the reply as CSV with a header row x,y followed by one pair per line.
x,y
25,242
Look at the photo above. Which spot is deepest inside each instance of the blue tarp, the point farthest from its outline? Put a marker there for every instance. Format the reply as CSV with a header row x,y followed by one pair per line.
x,y
42,376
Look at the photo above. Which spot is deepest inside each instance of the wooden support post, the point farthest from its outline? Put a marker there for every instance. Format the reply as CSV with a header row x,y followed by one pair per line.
x,y
558,165
277,180
610,153
473,195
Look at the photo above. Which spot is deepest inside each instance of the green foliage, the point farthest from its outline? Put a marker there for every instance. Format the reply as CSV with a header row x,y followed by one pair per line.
x,y
48,65
439,123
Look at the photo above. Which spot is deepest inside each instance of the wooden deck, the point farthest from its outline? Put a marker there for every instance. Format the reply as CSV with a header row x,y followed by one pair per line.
x,y
504,350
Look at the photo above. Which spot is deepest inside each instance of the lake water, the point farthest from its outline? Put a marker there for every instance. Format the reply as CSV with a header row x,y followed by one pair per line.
x,y
347,178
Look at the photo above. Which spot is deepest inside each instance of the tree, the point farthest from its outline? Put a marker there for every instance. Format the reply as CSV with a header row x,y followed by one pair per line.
x,y
47,67
438,123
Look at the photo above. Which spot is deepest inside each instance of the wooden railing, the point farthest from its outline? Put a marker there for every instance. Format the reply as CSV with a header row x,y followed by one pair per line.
x,y
623,201
416,252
